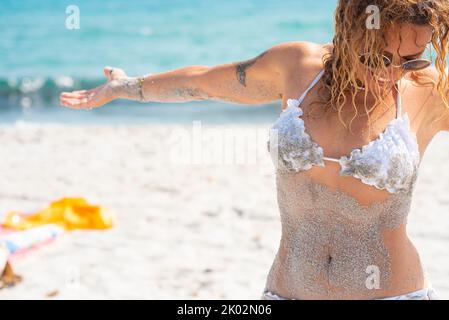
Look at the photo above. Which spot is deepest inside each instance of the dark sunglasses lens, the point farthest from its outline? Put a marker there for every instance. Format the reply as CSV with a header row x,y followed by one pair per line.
x,y
386,61
416,64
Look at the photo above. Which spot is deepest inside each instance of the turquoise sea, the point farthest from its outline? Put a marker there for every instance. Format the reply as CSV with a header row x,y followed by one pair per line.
x,y
40,56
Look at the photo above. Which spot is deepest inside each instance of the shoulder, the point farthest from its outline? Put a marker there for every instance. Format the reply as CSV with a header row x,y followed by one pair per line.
x,y
299,53
435,105
302,48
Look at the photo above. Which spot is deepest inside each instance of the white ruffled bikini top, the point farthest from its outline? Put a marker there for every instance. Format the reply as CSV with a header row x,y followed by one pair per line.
x,y
390,162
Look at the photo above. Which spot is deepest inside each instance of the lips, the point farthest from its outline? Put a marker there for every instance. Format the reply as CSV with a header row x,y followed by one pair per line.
x,y
381,81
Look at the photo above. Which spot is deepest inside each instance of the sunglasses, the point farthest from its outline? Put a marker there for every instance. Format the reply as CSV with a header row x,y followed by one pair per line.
x,y
411,65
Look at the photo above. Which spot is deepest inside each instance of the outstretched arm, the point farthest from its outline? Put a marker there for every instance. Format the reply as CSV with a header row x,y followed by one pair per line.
x,y
254,81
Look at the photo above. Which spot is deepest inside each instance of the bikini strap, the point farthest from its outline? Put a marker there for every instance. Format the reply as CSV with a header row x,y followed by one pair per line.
x,y
314,82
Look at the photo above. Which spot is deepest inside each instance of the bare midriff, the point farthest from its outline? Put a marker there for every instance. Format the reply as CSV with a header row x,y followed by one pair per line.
x,y
334,247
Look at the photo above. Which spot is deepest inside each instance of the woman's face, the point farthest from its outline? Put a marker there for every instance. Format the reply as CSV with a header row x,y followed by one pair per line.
x,y
404,43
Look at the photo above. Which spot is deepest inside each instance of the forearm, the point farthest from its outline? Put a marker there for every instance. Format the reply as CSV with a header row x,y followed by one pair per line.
x,y
178,85
254,81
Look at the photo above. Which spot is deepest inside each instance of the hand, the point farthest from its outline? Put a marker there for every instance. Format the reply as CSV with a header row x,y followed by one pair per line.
x,y
94,98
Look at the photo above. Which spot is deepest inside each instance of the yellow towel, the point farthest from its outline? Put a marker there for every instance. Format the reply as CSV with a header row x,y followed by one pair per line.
x,y
69,213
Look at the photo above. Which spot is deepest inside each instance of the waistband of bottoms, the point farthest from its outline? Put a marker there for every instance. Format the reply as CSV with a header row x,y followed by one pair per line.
x,y
428,293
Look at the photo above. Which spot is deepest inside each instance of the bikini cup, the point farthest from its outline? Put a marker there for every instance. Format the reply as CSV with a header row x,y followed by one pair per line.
x,y
389,162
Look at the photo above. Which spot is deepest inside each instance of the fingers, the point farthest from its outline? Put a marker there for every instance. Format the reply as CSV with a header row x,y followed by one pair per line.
x,y
78,99
74,103
85,99
76,94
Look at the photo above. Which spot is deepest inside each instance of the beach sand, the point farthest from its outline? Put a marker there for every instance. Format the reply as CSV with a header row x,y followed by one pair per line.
x,y
183,231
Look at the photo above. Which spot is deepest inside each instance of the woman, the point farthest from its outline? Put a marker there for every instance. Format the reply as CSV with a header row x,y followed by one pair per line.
x,y
357,117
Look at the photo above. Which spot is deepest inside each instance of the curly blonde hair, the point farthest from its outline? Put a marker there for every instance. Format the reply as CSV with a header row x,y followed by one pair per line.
x,y
352,36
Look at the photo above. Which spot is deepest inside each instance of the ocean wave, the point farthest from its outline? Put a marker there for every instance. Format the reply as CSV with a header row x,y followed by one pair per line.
x,y
37,91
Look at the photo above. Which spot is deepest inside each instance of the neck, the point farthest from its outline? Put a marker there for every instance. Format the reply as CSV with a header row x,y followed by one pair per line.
x,y
370,101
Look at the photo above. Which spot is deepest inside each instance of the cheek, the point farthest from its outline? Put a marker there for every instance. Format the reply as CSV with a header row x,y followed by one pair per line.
x,y
361,73
365,75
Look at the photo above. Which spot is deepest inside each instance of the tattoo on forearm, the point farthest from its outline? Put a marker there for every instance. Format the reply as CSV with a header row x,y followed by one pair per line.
x,y
189,93
129,88
242,66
